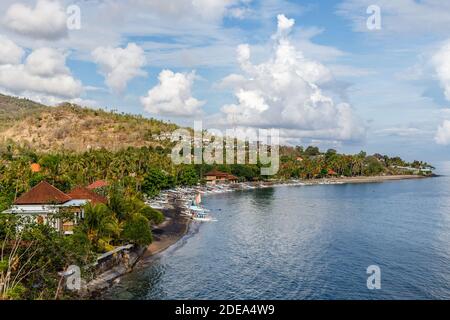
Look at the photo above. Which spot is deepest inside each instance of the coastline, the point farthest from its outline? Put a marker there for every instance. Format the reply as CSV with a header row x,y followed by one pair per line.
x,y
176,226
166,234
169,232
370,179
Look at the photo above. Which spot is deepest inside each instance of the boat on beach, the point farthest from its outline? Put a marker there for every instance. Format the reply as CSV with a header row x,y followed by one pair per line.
x,y
197,212
202,216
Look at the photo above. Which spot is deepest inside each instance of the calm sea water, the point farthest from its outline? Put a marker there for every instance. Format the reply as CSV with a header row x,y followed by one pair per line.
x,y
309,242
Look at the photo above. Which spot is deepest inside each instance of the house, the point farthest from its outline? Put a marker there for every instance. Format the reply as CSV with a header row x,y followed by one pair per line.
x,y
43,201
331,172
82,193
216,176
99,187
232,179
35,167
99,184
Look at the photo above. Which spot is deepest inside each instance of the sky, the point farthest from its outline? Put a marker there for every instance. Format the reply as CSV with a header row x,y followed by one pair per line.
x,y
349,74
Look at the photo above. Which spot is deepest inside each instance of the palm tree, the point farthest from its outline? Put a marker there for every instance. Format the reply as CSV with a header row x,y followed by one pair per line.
x,y
100,225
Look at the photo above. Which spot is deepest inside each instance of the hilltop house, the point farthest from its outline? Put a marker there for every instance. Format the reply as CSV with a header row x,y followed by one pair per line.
x,y
44,200
216,176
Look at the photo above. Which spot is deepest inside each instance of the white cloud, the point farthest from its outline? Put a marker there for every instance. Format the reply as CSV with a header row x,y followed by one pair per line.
x,y
284,92
192,9
400,131
441,62
172,96
176,33
46,62
284,26
120,65
10,53
443,133
44,73
47,20
401,16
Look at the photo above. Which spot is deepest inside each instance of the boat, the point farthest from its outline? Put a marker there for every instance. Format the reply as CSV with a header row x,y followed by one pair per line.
x,y
199,213
157,205
201,216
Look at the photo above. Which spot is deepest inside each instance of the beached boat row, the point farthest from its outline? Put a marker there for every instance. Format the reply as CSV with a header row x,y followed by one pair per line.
x,y
188,199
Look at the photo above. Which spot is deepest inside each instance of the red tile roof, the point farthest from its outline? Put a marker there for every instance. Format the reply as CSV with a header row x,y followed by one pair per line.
x,y
81,193
231,177
217,173
331,172
35,167
98,184
43,193
220,174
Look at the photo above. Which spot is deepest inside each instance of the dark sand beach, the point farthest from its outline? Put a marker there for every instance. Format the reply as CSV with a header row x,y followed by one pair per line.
x,y
169,232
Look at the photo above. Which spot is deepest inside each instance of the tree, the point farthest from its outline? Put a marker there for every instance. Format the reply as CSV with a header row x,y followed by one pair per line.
x,y
312,151
330,154
137,230
31,255
188,177
100,225
373,166
154,181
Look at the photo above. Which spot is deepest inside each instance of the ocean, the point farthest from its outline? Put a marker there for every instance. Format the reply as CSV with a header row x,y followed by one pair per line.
x,y
309,242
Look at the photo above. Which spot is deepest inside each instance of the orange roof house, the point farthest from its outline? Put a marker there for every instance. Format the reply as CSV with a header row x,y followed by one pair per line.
x,y
82,193
215,176
98,184
43,193
331,172
216,173
232,178
35,167
44,200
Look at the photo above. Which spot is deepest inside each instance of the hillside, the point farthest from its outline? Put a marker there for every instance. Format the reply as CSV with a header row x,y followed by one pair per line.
x,y
14,109
75,128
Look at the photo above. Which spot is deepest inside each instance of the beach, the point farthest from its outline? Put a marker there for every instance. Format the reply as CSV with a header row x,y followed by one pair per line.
x,y
169,232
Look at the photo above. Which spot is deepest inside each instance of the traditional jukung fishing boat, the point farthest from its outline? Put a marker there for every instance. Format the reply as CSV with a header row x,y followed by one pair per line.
x,y
199,213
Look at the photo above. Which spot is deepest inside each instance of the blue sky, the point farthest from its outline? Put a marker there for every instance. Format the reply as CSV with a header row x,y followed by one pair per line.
x,y
311,68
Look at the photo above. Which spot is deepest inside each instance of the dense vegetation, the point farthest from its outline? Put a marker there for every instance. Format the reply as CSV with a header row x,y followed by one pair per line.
x,y
32,254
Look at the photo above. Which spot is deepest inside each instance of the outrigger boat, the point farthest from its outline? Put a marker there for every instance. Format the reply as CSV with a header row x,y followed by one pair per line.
x,y
201,216
199,213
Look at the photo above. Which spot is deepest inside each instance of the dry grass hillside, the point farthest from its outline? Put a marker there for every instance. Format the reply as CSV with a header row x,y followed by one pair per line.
x,y
70,127
14,109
